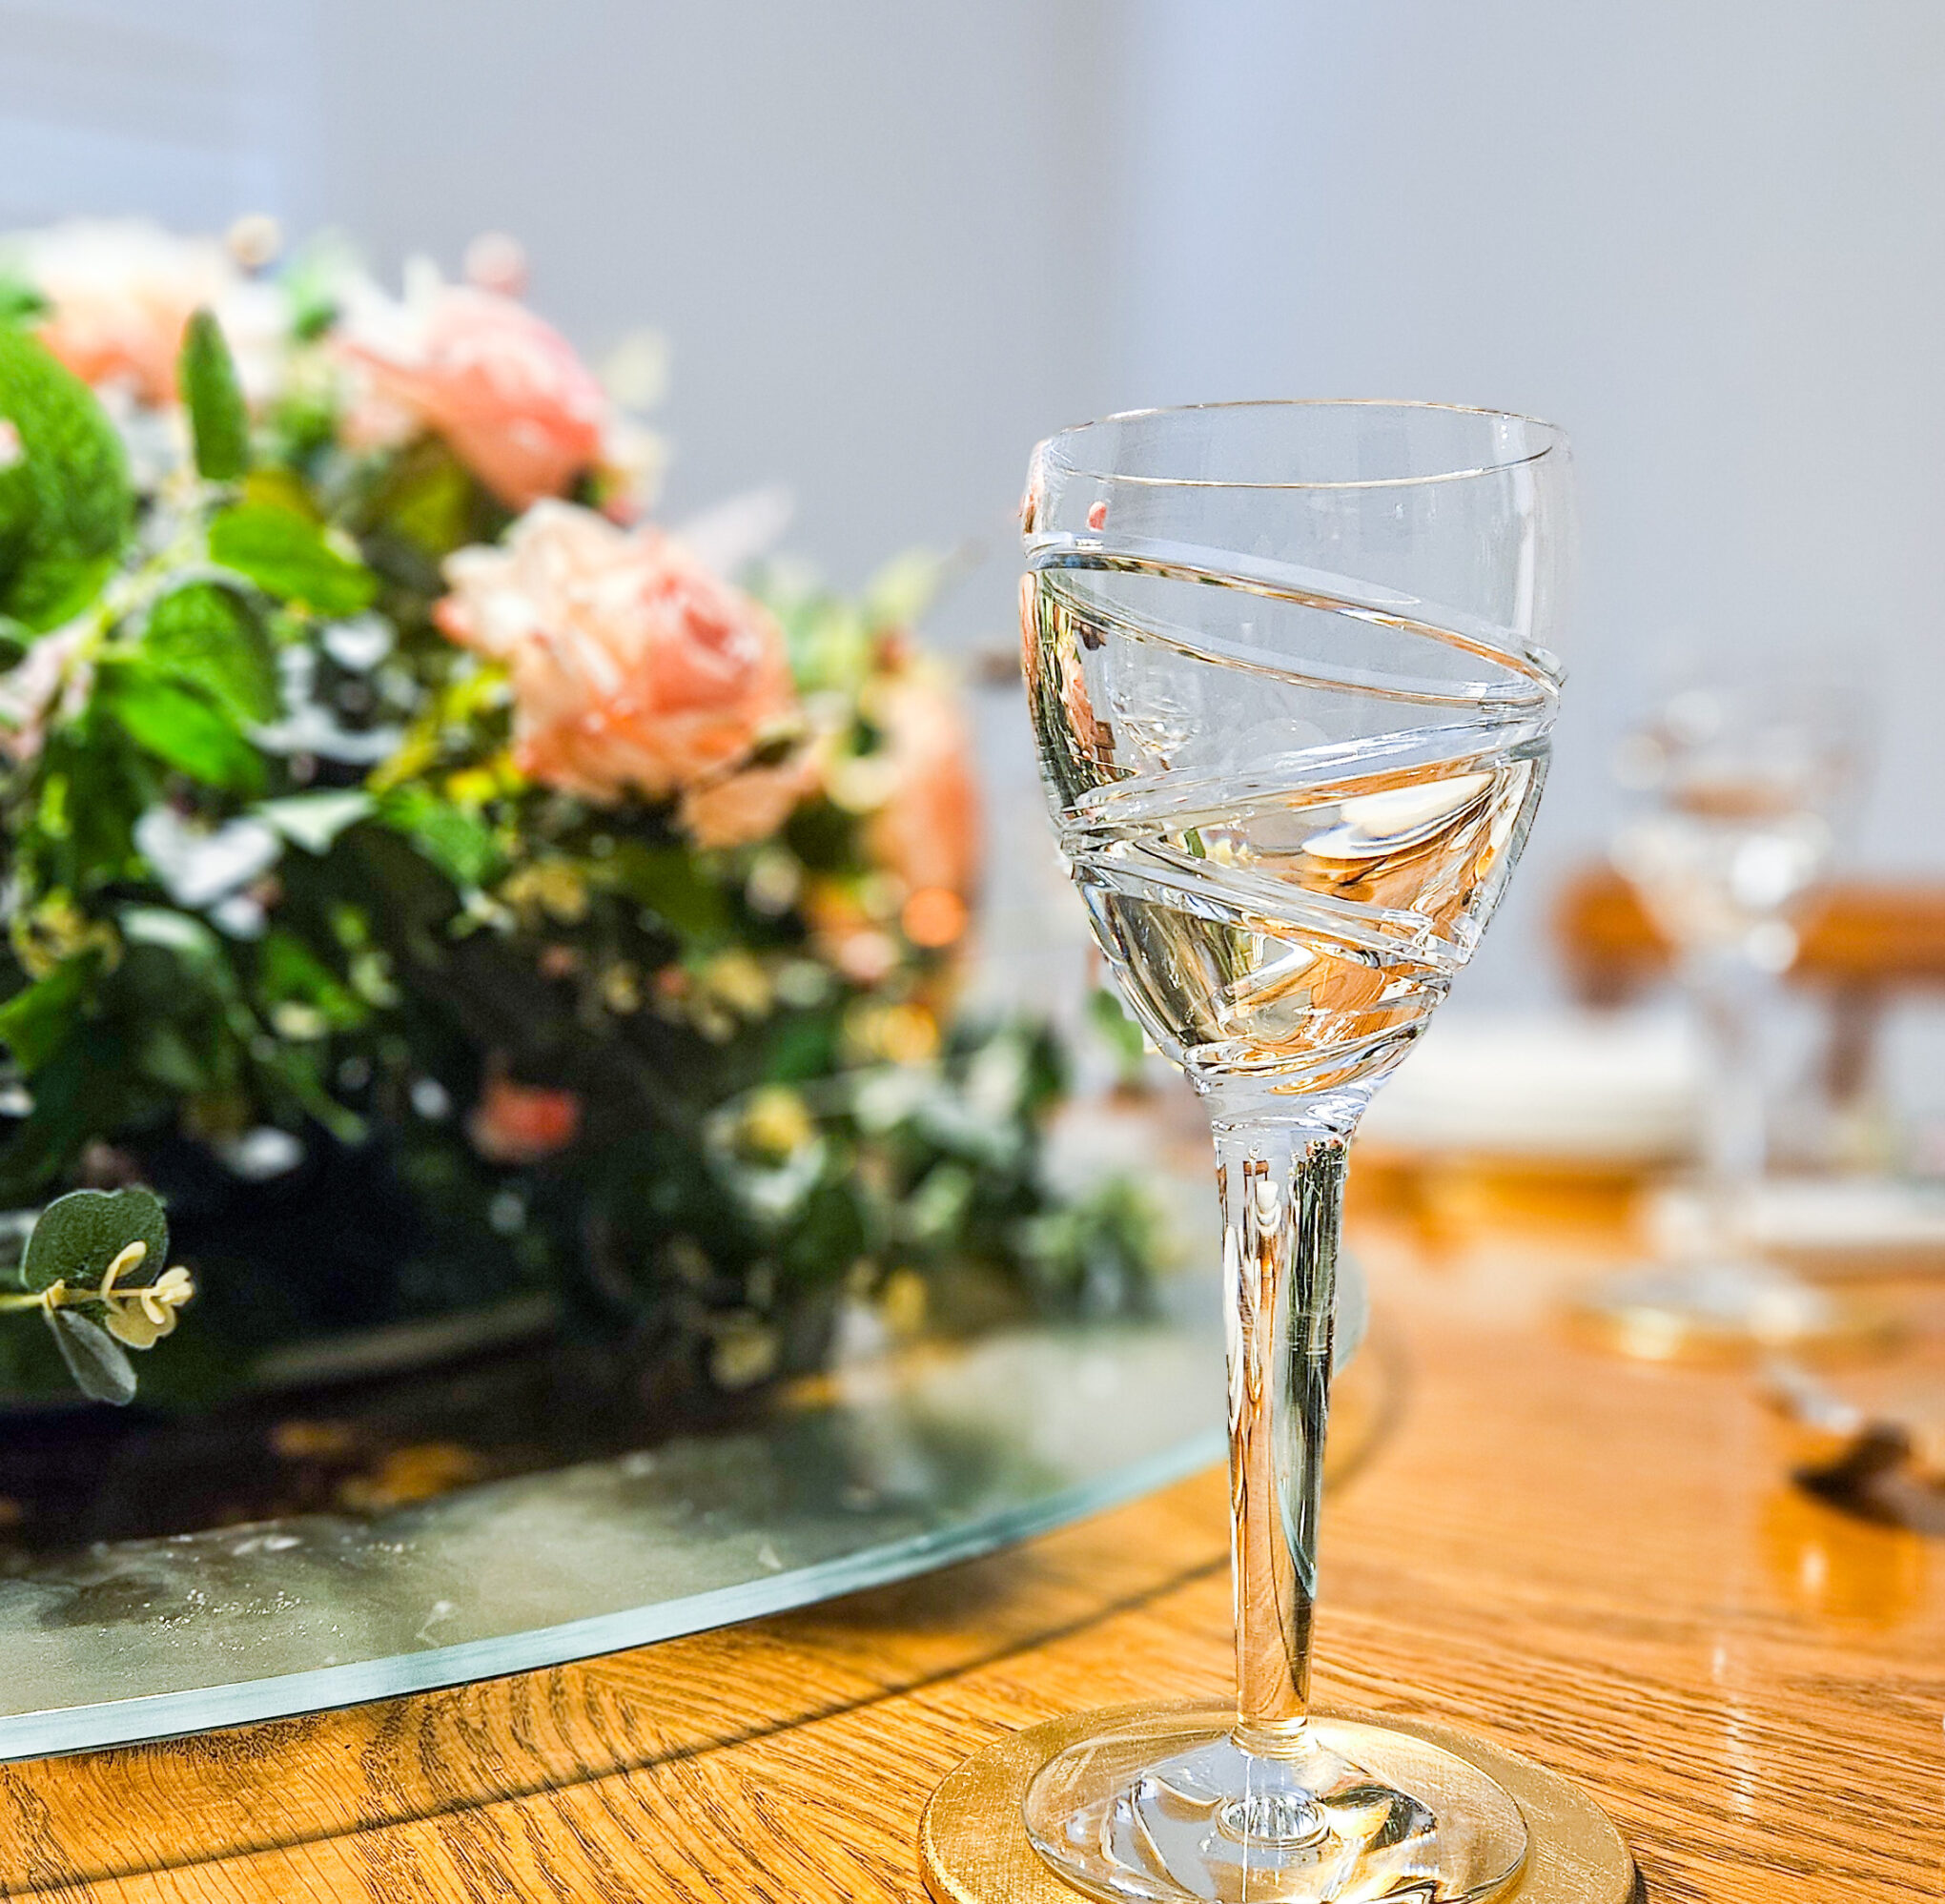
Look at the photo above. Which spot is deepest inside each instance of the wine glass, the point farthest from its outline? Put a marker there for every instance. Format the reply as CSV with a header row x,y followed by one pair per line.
x,y
1739,781
1290,671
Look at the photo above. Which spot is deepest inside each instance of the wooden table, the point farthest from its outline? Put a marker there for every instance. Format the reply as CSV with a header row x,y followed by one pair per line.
x,y
1598,1564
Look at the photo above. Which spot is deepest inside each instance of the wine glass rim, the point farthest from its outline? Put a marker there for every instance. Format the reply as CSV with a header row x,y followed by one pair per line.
x,y
1553,440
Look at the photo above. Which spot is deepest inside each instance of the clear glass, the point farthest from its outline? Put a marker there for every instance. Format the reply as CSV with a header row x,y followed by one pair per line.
x,y
1292,674
1740,781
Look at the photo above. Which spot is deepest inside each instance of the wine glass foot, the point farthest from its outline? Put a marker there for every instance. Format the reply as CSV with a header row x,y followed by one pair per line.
x,y
1726,1312
1167,1805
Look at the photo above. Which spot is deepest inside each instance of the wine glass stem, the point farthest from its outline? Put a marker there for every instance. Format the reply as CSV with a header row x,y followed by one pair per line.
x,y
1724,989
1280,1174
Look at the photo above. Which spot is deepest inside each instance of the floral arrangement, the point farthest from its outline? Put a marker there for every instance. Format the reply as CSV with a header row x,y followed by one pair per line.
x,y
435,880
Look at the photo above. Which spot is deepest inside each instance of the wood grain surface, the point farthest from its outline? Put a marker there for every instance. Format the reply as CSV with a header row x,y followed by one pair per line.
x,y
1598,1564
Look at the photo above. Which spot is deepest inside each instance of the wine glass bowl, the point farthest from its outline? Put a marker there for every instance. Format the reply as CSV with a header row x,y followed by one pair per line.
x,y
1292,675
1737,781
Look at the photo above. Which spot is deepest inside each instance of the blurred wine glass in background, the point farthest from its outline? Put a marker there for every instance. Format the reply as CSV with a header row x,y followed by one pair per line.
x,y
1740,781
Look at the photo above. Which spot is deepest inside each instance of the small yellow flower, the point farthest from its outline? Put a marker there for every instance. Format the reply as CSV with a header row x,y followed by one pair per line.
x,y
143,1315
620,988
902,1302
738,980
746,1351
905,1033
555,887
54,932
776,1123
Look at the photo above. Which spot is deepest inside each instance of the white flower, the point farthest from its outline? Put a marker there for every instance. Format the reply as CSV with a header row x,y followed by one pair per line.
x,y
197,865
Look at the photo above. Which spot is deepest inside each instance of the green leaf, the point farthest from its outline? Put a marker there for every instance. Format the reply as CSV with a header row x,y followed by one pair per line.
x,y
15,639
66,502
180,727
34,1022
177,932
165,1056
314,821
79,1090
203,635
454,841
1117,1031
219,420
288,557
429,497
291,970
667,880
19,300
80,1234
99,1364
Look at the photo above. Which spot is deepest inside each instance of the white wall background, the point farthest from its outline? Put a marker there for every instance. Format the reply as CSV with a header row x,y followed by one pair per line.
x,y
892,243
1708,238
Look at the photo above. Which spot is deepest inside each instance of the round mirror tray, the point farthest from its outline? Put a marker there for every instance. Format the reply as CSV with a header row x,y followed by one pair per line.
x,y
890,1467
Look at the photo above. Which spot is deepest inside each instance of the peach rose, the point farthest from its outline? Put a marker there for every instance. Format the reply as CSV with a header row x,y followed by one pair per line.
x,y
502,387
522,1123
120,291
632,666
749,805
926,832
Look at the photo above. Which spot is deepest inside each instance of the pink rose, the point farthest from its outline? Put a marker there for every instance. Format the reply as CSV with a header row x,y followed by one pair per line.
x,y
926,832
120,293
522,1123
632,666
504,388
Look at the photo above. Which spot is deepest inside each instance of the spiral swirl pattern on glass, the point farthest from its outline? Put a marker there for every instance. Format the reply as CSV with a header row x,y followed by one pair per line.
x,y
1292,675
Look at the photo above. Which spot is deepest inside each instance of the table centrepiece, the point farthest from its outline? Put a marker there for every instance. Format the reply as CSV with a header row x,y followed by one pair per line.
x,y
444,888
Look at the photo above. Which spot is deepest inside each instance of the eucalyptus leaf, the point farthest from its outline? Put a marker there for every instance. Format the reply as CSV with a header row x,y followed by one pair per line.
x,y
80,1234
218,418
99,1364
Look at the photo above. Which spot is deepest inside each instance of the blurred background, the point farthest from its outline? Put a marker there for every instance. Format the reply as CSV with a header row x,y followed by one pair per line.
x,y
890,246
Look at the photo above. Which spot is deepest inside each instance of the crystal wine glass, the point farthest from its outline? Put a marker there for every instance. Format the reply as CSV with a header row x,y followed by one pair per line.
x,y
1739,779
1290,671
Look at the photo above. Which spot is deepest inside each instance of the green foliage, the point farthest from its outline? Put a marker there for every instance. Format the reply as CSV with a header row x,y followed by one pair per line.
x,y
289,558
99,1364
35,1020
203,635
19,301
219,420
667,880
451,838
292,973
79,1234
181,727
66,503
1117,1031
